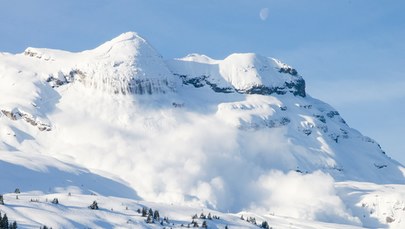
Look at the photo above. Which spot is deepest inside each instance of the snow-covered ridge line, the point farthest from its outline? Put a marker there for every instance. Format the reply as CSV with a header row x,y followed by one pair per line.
x,y
129,65
125,65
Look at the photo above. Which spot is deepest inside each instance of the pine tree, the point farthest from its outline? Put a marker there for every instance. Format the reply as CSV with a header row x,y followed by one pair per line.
x,y
55,201
156,215
166,219
204,224
4,222
1,200
144,212
94,205
149,219
14,225
265,225
252,220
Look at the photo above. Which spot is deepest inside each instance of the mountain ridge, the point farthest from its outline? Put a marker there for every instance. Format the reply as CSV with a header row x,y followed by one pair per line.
x,y
193,130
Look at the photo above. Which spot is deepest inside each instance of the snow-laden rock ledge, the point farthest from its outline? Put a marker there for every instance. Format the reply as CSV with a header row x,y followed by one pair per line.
x,y
246,73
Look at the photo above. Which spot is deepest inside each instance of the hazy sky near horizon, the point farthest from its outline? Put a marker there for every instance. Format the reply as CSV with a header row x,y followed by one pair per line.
x,y
350,52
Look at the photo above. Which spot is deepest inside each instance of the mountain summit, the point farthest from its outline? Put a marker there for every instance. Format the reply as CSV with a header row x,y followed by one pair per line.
x,y
245,73
128,64
230,134
125,65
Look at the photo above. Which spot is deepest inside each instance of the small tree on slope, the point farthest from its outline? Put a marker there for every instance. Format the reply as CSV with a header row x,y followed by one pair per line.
x,y
94,205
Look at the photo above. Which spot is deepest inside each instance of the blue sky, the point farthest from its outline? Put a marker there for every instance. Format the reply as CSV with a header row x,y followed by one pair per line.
x,y
350,52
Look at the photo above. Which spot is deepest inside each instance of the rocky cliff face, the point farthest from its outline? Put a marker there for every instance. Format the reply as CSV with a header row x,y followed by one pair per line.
x,y
245,73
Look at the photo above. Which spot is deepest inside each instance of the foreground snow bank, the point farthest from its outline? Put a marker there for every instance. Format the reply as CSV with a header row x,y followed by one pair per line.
x,y
35,209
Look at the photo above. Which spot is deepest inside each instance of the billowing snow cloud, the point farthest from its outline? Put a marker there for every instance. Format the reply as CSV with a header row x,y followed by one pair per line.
x,y
308,196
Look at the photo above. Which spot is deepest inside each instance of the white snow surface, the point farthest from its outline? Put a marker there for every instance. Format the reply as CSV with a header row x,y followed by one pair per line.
x,y
239,71
120,125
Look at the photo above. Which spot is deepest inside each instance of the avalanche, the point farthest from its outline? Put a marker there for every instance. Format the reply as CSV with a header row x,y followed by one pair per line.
x,y
121,125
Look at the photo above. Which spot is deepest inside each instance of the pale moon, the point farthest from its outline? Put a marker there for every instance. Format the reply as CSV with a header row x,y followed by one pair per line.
x,y
264,14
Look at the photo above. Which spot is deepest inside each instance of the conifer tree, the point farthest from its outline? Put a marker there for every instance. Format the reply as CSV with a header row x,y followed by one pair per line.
x,y
55,201
265,225
204,224
144,212
13,225
149,219
4,222
156,215
94,205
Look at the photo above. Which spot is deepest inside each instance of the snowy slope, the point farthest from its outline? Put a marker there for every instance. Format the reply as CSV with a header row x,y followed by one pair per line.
x,y
35,210
239,134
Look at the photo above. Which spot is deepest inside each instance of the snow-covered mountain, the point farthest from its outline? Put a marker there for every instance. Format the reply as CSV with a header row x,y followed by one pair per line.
x,y
233,135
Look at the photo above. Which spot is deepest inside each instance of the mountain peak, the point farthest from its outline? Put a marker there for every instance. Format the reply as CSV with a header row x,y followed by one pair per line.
x,y
246,73
129,43
127,36
251,73
127,64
